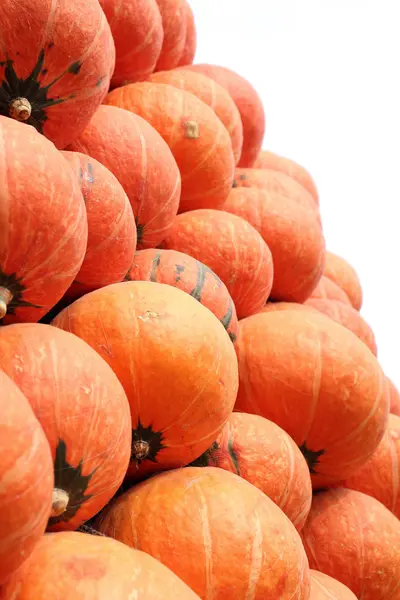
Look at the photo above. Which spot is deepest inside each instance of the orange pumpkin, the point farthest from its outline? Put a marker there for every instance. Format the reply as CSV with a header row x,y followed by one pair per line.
x,y
270,160
111,226
343,274
249,104
137,29
56,62
264,454
83,411
26,475
174,22
274,306
329,290
394,396
43,224
75,565
217,532
293,235
233,249
189,50
355,539
191,276
298,369
175,361
324,587
143,164
212,94
198,140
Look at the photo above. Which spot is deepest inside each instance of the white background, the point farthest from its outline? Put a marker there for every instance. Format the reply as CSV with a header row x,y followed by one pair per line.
x,y
328,72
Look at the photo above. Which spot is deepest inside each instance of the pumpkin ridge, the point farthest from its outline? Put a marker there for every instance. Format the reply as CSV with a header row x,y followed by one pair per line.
x,y
226,321
154,266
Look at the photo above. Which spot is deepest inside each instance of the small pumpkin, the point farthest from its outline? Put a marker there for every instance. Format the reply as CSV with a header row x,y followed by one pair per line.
x,y
83,411
43,224
175,361
26,475
264,454
338,270
174,22
191,276
217,532
111,226
298,369
324,587
355,539
143,164
232,248
394,396
197,138
189,50
56,61
327,289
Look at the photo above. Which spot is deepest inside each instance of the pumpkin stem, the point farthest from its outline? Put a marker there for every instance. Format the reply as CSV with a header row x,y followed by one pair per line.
x,y
20,109
191,130
5,299
59,502
140,450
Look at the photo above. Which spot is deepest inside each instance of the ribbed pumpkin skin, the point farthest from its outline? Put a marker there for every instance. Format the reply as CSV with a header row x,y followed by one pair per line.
x,y
26,475
291,232
233,249
216,531
87,567
111,226
282,306
174,21
327,289
394,396
189,51
175,361
197,138
136,26
270,160
212,94
190,275
43,223
83,411
324,587
249,104
298,369
60,59
343,274
264,454
355,539
143,164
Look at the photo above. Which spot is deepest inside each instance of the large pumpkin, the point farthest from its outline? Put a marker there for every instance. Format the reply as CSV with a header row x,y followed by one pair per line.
x,y
212,94
197,138
343,274
232,248
280,306
111,226
174,22
394,396
56,61
293,235
189,50
249,104
76,565
264,454
355,539
324,587
26,476
300,369
174,359
219,533
329,290
191,276
43,224
84,413
143,164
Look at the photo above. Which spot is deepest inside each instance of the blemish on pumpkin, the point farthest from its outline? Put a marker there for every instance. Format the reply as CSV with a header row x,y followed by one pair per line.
x,y
88,175
85,568
149,315
234,457
179,269
243,177
45,71
75,68
51,44
99,81
154,266
192,130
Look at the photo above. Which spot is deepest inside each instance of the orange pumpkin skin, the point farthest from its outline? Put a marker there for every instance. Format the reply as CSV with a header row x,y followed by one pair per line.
x,y
198,140
355,539
83,411
283,306
340,272
174,21
212,94
137,29
76,565
298,370
264,454
111,226
189,50
43,210
394,396
327,289
188,274
249,104
293,235
233,249
324,587
55,69
175,361
26,475
270,160
143,164
233,540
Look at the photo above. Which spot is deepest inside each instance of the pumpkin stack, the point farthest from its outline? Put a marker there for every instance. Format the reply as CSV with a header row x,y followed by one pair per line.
x,y
191,404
